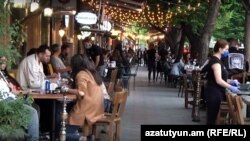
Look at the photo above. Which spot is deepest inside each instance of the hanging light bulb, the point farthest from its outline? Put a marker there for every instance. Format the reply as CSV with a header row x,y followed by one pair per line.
x,y
19,3
48,12
61,32
79,36
34,6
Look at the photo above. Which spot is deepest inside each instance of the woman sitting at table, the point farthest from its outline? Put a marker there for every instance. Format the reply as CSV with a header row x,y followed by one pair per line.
x,y
11,86
12,81
89,104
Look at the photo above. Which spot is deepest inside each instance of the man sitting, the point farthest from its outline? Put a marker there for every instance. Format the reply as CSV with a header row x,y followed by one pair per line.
x,y
234,62
30,72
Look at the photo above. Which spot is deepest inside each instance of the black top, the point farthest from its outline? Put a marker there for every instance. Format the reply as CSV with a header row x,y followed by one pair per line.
x,y
225,61
151,55
63,58
95,51
210,73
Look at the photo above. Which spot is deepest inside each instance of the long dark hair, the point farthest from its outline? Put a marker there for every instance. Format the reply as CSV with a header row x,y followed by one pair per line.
x,y
80,62
220,44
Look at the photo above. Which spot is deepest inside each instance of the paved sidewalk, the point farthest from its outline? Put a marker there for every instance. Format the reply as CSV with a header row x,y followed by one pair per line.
x,y
153,103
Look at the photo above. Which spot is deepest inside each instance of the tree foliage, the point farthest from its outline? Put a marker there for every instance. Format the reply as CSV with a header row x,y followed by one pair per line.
x,y
11,36
230,23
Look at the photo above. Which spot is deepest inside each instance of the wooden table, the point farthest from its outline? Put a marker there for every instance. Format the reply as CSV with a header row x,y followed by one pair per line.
x,y
54,98
244,93
246,98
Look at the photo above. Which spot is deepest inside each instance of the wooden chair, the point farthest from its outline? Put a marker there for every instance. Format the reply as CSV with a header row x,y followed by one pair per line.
x,y
13,73
127,75
113,118
222,116
112,82
232,110
241,77
51,70
239,114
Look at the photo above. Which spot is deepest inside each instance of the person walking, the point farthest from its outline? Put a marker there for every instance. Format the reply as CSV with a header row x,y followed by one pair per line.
x,y
151,55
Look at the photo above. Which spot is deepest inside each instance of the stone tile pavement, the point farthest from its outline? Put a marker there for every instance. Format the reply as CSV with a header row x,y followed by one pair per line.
x,y
153,103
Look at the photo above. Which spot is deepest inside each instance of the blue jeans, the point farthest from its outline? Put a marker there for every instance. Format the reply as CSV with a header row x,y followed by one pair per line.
x,y
33,126
107,105
101,70
72,133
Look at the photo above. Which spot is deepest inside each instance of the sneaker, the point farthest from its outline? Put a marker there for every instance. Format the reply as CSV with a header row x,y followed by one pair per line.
x,y
82,138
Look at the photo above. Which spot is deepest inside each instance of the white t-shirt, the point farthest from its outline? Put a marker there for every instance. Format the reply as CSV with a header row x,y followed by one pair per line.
x,y
5,91
104,92
58,64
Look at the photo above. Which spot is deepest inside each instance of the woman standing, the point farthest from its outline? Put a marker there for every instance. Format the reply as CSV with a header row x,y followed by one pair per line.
x,y
89,104
217,81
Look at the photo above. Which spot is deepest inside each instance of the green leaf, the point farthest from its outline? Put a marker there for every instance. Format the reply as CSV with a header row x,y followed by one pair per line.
x,y
14,117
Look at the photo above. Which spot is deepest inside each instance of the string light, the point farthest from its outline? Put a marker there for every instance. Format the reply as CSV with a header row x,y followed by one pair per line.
x,y
159,16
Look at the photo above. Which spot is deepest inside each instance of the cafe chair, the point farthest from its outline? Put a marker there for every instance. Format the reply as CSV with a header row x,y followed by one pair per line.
x,y
223,114
241,77
113,119
13,73
133,74
239,113
111,84
232,109
51,70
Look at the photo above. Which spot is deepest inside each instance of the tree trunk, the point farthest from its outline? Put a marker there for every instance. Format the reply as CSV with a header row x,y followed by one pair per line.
x,y
203,51
194,43
177,41
247,36
180,47
194,39
214,6
173,39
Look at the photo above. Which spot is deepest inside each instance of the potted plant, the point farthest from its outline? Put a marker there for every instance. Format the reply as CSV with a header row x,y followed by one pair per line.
x,y
11,35
14,118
